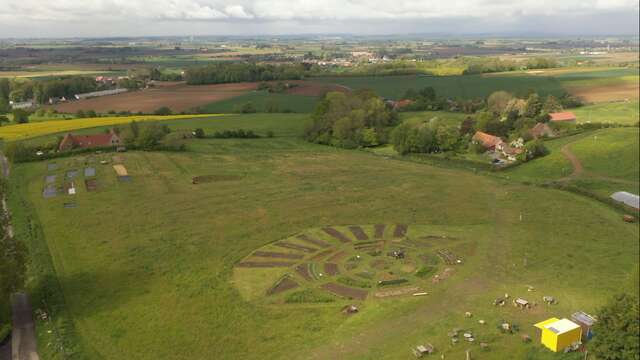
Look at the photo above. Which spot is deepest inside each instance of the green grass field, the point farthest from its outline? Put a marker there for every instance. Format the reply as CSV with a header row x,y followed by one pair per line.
x,y
627,113
609,158
260,100
146,267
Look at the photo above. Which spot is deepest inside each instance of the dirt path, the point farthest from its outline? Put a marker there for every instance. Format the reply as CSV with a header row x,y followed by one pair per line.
x,y
577,165
23,336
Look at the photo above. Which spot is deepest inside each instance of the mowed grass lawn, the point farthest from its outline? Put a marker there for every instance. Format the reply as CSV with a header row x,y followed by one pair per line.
x,y
626,113
146,266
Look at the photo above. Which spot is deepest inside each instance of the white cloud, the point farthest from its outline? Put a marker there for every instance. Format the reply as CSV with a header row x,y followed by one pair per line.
x,y
140,17
298,9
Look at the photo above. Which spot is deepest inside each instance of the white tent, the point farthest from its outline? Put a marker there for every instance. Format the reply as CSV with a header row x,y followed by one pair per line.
x,y
627,198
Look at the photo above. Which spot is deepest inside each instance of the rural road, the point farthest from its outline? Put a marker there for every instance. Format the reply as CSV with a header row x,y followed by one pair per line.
x,y
23,336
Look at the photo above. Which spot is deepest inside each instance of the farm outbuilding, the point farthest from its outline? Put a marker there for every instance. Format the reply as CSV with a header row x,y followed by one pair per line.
x,y
558,335
586,322
566,116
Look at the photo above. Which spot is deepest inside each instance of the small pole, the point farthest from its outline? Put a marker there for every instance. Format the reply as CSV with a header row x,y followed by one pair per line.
x,y
468,354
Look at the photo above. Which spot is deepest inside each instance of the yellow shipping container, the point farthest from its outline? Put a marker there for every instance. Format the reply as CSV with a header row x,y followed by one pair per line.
x,y
558,334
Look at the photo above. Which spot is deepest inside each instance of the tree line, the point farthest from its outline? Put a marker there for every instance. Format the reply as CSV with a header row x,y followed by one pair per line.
x,y
231,72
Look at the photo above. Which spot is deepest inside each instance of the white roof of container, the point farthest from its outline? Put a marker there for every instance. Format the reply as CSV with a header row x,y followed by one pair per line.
x,y
627,198
562,326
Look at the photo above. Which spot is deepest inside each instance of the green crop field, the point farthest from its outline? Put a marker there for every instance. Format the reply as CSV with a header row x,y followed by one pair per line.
x,y
261,99
469,86
144,269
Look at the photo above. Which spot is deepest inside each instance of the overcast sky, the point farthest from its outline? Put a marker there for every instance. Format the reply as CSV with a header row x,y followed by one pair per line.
x,y
101,18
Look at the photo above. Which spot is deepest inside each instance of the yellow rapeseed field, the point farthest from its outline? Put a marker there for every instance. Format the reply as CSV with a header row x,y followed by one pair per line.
x,y
30,130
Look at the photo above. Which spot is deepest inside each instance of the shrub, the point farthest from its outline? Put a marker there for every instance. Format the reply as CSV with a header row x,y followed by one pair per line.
x,y
199,133
617,330
164,110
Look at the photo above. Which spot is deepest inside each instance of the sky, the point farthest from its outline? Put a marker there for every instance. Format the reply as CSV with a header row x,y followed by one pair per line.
x,y
107,18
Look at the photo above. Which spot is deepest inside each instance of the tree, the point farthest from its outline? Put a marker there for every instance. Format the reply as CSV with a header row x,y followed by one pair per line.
x,y
533,106
616,331
248,108
551,105
497,102
447,138
3,119
533,149
199,133
164,110
20,116
80,114
4,106
467,126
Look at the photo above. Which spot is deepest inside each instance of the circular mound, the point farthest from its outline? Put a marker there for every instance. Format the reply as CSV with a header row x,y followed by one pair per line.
x,y
355,262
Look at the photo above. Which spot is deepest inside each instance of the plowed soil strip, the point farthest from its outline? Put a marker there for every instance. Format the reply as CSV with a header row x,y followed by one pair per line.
x,y
321,255
267,264
397,292
282,285
269,254
336,234
344,291
337,256
400,230
331,269
286,245
91,184
303,270
358,233
310,240
379,231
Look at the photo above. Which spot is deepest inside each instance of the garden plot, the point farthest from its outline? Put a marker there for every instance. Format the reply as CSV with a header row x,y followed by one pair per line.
x,y
354,262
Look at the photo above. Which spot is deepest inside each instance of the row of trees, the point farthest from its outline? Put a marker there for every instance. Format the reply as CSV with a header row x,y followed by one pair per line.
x,y
429,137
490,65
351,120
230,72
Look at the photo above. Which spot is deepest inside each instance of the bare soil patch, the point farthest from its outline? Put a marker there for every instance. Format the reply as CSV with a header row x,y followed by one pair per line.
x,y
91,184
267,264
606,93
358,233
287,245
303,270
269,254
177,96
282,285
314,241
379,231
396,292
336,234
344,291
400,230
213,178
331,269
337,256
321,255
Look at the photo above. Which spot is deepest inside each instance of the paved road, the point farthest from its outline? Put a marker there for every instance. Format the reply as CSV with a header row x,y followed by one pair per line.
x,y
23,337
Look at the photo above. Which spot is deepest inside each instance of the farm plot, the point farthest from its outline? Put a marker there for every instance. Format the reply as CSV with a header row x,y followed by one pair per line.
x,y
177,96
358,265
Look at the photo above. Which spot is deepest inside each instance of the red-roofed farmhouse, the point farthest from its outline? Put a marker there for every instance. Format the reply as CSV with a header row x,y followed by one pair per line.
x,y
89,141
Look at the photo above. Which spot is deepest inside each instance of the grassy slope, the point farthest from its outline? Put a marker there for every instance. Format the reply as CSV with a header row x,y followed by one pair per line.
x,y
260,99
618,112
145,266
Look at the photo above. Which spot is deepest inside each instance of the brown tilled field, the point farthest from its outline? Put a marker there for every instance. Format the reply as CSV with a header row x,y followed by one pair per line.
x,y
177,96
606,93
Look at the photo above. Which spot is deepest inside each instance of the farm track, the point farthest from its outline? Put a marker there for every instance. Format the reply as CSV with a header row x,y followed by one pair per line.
x,y
578,168
23,342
